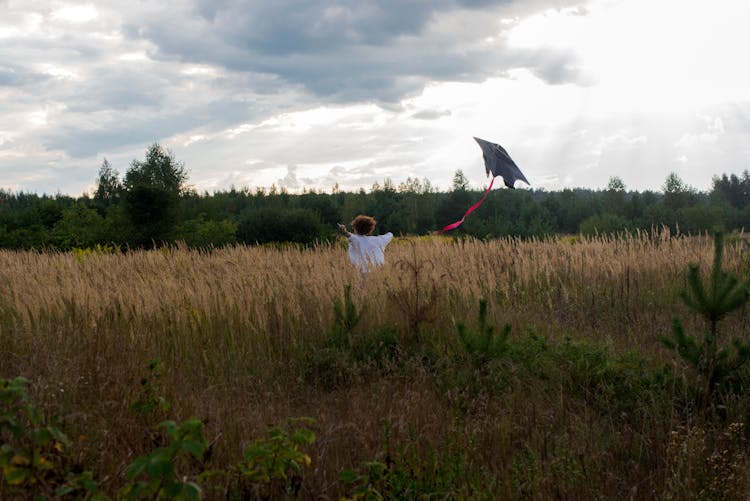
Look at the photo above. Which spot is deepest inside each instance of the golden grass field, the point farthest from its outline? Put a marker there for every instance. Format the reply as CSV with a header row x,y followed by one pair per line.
x,y
234,328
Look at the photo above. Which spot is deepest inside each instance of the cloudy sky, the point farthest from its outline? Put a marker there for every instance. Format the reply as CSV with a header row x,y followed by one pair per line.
x,y
309,93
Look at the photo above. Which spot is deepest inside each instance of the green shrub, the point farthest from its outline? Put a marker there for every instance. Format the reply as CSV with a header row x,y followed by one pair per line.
x,y
159,471
150,401
484,344
272,467
204,233
614,383
345,350
419,472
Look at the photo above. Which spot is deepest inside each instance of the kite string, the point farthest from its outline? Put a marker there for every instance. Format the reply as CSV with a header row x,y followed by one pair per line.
x,y
458,223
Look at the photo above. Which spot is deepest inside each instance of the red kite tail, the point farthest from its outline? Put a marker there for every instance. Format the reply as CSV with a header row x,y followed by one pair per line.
x,y
474,207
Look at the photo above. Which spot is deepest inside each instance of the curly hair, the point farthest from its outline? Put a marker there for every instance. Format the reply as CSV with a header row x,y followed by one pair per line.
x,y
363,225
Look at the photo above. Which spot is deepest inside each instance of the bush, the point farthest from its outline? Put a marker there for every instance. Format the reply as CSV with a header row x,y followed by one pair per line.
x,y
204,233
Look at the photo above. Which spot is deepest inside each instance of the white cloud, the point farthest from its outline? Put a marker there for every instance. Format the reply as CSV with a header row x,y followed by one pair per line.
x,y
710,135
76,14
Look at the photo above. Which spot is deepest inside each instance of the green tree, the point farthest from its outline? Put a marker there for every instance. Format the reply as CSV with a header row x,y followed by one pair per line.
x,y
614,197
678,194
460,182
270,224
615,184
700,218
387,208
48,211
717,364
204,233
603,224
108,187
454,204
569,208
159,170
152,190
323,205
80,226
732,190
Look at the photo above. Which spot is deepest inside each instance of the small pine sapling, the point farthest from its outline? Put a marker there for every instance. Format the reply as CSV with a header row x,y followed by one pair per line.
x,y
485,344
717,364
346,318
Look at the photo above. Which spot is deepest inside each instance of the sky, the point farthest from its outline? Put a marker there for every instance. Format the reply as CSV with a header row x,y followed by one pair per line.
x,y
308,94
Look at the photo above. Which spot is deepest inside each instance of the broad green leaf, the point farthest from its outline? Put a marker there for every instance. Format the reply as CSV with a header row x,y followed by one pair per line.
x,y
16,476
195,448
137,467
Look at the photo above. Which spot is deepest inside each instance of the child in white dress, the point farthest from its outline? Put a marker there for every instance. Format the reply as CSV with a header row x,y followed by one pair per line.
x,y
365,250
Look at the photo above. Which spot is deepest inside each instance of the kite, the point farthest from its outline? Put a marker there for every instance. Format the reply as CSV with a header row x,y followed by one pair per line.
x,y
498,163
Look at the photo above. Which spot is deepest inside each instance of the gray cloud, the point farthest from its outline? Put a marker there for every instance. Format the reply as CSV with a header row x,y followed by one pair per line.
x,y
50,175
377,51
431,114
16,76
558,70
292,181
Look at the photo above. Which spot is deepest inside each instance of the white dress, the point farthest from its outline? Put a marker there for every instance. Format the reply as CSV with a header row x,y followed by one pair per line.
x,y
367,251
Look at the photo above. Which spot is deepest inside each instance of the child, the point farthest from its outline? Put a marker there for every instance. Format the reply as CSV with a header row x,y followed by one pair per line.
x,y
365,251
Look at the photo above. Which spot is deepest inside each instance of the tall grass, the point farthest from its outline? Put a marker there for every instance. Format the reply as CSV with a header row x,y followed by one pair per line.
x,y
257,297
235,327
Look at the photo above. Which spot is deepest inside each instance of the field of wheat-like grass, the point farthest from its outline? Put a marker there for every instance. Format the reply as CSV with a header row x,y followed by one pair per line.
x,y
237,329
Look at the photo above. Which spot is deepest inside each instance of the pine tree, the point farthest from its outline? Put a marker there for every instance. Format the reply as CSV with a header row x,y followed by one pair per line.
x,y
717,364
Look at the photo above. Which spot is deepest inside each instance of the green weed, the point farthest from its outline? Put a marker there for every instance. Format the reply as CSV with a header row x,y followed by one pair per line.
x,y
159,471
150,401
272,466
418,472
343,352
36,457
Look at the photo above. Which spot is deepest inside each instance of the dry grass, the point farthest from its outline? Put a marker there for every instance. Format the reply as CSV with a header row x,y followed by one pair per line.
x,y
233,327
253,298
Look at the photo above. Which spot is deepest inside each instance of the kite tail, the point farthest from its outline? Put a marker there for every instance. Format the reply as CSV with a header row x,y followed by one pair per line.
x,y
458,223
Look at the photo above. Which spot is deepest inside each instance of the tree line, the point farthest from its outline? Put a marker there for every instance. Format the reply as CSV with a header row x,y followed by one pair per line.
x,y
152,204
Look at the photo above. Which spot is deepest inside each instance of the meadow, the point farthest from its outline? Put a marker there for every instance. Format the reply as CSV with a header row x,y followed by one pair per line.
x,y
462,369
